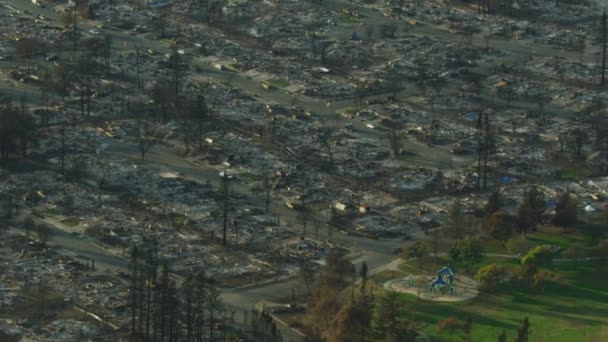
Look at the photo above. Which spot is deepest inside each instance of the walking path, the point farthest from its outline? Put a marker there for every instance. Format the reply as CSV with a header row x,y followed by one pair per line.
x,y
466,287
418,285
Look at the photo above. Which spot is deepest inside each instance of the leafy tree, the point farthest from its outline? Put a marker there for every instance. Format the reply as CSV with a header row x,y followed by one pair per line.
x,y
468,252
388,313
489,276
565,211
499,225
531,211
537,257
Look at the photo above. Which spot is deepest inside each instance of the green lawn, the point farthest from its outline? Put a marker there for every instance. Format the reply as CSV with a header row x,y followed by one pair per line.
x,y
584,236
573,309
386,275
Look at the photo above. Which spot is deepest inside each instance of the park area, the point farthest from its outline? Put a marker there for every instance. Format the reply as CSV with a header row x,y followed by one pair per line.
x,y
564,309
564,297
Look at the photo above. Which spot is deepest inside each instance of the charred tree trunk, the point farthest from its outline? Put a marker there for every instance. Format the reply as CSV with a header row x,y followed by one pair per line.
x,y
604,43
137,67
225,209
134,293
63,150
142,283
188,318
148,297
485,162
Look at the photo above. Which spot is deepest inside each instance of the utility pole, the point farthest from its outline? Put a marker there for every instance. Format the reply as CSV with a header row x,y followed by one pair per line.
x,y
63,149
137,66
75,26
486,147
235,224
604,28
82,85
479,126
176,70
88,93
225,179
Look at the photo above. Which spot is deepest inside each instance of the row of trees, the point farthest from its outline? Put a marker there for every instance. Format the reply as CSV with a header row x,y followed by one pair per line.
x,y
162,311
500,224
532,212
166,307
332,315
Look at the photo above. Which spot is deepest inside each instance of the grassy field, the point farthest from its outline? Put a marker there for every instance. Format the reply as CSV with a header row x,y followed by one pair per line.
x,y
584,236
572,309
